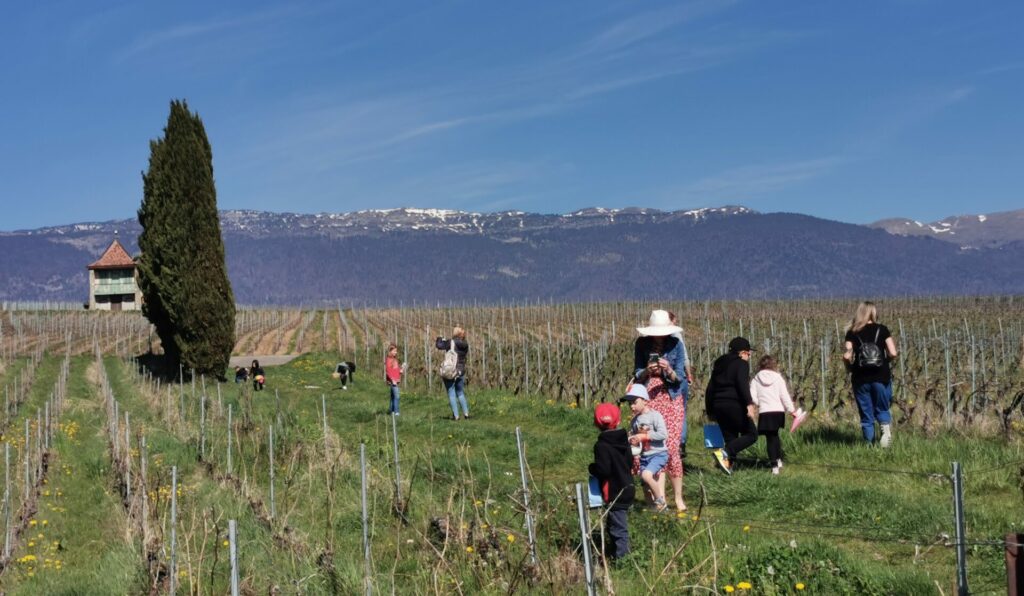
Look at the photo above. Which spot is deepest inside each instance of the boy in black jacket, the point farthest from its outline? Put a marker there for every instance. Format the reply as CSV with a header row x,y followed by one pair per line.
x,y
611,467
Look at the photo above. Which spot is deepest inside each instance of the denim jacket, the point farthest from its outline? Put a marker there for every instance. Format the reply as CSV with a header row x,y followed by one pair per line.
x,y
674,351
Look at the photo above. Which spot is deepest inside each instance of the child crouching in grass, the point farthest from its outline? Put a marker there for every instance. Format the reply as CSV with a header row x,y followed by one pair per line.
x,y
611,467
648,431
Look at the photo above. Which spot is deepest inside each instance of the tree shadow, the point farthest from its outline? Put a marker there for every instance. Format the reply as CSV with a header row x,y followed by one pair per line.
x,y
160,366
831,434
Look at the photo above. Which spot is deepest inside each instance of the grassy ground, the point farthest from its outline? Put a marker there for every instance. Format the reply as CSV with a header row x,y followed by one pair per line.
x,y
77,542
842,518
877,523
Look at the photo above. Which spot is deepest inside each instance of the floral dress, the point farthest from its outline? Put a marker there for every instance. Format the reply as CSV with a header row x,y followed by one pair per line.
x,y
674,412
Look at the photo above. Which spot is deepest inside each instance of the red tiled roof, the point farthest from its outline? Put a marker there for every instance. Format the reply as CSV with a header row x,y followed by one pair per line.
x,y
115,257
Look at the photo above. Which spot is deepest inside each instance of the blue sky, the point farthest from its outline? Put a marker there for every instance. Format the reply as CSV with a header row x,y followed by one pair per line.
x,y
845,110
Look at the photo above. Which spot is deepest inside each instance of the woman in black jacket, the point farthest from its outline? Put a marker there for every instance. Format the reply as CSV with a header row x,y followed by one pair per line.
x,y
456,387
729,403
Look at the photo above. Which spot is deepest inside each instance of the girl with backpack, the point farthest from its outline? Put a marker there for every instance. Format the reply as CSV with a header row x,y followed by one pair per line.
x,y
869,348
455,380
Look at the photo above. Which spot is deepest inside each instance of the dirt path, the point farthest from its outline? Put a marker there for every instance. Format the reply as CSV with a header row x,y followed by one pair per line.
x,y
265,359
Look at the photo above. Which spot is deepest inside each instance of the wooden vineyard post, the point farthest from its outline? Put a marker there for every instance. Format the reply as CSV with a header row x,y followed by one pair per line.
x,y
144,492
7,501
233,543
202,423
174,531
323,409
127,462
368,587
1015,565
581,510
273,508
530,534
229,439
398,470
961,536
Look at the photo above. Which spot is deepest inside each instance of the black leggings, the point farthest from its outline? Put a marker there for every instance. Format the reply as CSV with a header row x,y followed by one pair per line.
x,y
774,446
738,429
768,425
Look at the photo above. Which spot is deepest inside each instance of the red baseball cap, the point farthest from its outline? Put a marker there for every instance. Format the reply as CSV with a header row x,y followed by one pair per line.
x,y
607,416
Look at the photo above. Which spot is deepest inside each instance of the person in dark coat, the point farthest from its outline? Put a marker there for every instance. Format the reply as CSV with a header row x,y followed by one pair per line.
x,y
345,372
257,375
612,463
728,402
456,387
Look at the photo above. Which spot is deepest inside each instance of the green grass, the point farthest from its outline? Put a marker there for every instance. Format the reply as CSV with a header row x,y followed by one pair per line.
x,y
77,542
839,520
205,507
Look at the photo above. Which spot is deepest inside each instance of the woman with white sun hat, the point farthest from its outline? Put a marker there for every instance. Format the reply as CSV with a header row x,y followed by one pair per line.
x,y
658,363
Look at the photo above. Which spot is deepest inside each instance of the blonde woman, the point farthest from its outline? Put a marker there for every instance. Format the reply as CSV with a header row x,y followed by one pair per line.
x,y
869,347
456,387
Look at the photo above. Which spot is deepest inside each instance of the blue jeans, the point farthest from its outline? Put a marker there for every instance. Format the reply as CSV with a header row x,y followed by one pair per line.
x,y
686,413
873,402
457,391
394,400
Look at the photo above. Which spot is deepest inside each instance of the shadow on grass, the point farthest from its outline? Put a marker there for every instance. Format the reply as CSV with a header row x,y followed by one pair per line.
x,y
831,434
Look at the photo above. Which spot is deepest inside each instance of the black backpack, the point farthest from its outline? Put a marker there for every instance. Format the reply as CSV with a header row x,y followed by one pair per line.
x,y
870,354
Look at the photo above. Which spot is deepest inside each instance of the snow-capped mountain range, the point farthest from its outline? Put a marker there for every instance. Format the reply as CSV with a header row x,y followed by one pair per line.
x,y
412,254
966,231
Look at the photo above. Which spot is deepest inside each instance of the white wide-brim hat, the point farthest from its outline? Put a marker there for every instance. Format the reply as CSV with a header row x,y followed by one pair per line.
x,y
659,325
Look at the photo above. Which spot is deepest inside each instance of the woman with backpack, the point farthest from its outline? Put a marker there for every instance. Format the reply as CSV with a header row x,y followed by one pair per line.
x,y
454,377
869,347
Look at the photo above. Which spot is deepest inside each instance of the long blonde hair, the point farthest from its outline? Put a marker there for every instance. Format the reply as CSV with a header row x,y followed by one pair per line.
x,y
866,314
459,332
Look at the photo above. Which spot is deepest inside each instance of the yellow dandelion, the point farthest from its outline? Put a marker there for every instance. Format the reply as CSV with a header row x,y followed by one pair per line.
x,y
746,528
226,543
45,522
32,522
744,585
510,538
696,517
31,543
799,586
469,549
729,589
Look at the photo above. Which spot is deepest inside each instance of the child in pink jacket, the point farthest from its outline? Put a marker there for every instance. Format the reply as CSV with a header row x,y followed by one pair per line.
x,y
768,389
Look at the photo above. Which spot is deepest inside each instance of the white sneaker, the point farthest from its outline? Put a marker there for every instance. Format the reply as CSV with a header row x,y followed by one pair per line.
x,y
776,470
886,438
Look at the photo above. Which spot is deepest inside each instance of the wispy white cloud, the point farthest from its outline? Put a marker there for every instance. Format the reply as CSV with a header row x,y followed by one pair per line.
x,y
747,183
903,112
356,129
1001,68
641,27
151,40
751,181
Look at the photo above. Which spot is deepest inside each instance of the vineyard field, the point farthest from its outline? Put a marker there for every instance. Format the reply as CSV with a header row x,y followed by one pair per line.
x,y
122,482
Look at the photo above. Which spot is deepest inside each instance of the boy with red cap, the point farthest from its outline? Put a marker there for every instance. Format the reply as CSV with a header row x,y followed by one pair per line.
x,y
611,467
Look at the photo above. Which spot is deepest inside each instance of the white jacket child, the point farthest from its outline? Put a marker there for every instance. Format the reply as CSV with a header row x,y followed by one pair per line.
x,y
769,391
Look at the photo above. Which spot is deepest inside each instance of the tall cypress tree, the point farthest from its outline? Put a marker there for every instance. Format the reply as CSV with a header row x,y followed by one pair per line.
x,y
182,273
